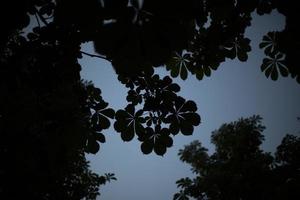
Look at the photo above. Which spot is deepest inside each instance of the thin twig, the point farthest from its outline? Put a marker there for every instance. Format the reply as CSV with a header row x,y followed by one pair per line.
x,y
37,19
93,55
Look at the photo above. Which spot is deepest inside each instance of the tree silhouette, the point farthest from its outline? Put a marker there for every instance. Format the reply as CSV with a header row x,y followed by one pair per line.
x,y
239,169
49,116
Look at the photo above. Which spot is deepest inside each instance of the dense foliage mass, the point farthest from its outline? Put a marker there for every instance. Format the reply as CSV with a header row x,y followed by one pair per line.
x,y
239,169
49,117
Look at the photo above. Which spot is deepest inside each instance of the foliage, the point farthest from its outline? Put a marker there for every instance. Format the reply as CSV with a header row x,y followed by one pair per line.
x,y
239,169
49,116
46,125
162,108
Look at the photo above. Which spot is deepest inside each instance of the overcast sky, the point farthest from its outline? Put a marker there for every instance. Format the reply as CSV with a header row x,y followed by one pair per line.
x,y
235,90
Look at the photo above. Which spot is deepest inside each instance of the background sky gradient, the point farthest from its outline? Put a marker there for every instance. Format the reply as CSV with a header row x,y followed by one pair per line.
x,y
235,90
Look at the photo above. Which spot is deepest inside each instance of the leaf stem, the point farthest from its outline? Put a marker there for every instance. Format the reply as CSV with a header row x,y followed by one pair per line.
x,y
97,56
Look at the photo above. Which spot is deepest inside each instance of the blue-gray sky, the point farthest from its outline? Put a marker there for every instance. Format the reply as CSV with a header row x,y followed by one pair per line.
x,y
235,90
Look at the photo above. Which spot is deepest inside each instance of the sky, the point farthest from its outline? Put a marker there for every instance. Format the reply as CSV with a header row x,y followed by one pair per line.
x,y
237,89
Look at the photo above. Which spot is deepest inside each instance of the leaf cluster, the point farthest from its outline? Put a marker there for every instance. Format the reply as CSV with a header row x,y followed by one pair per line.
x,y
163,113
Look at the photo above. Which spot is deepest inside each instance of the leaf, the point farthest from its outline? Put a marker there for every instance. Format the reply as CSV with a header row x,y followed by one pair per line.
x,y
186,128
268,72
178,64
101,105
189,106
193,118
273,64
183,73
199,74
94,119
147,147
184,117
263,45
134,97
242,56
206,71
174,87
283,70
93,146
103,122
265,64
174,127
175,72
129,123
128,134
238,47
274,74
160,149
108,112
269,42
139,128
100,137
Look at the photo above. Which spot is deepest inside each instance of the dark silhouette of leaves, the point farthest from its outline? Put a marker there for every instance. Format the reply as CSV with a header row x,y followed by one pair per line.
x,y
157,140
128,122
273,64
179,65
288,151
269,43
110,176
183,117
160,104
60,117
238,48
239,169
100,119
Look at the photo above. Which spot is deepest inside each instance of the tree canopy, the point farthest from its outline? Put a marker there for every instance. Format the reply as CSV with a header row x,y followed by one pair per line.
x,y
49,115
239,168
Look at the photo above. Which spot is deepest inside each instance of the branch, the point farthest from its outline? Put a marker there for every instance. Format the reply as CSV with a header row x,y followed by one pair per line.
x,y
41,17
93,55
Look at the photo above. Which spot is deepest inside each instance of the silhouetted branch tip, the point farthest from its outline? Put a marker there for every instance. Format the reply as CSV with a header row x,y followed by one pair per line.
x,y
93,55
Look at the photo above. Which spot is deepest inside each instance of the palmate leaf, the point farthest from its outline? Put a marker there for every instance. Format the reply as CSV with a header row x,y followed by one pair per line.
x,y
239,48
179,65
129,123
100,119
269,43
134,97
183,117
158,140
273,65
